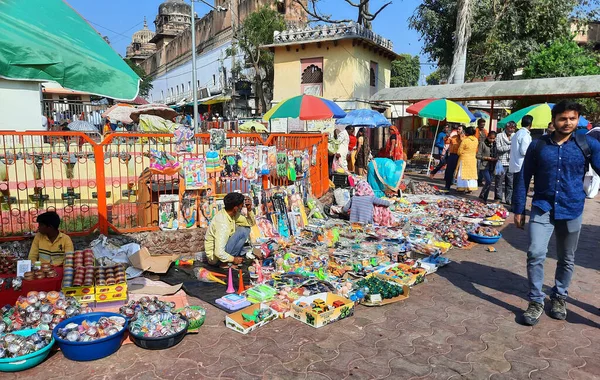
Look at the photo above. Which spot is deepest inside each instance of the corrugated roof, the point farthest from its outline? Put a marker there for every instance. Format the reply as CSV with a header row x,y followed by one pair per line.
x,y
584,86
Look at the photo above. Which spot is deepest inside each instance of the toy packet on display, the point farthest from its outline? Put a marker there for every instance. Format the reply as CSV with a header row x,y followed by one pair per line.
x,y
322,309
250,318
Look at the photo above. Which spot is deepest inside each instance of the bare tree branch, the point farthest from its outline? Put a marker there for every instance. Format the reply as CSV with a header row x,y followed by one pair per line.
x,y
318,17
371,17
361,4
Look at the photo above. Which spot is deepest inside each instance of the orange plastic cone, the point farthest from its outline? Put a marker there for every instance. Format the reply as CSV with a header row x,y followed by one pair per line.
x,y
241,287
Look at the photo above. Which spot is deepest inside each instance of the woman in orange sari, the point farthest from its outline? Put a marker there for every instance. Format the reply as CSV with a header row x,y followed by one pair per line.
x,y
393,149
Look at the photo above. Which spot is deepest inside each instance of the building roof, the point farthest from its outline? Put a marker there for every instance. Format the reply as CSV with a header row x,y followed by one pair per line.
x,y
144,35
322,33
583,86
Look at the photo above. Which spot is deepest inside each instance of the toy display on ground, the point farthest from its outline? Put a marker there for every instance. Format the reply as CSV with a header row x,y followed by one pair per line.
x,y
304,263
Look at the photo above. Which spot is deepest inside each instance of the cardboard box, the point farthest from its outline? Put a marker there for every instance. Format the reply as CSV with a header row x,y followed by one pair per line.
x,y
318,320
78,291
110,297
142,259
89,298
235,321
122,287
410,280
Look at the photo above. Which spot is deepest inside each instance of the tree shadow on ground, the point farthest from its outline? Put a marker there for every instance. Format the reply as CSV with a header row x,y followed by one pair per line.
x,y
468,276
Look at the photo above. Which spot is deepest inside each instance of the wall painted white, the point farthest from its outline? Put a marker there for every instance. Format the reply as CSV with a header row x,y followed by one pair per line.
x,y
20,106
175,84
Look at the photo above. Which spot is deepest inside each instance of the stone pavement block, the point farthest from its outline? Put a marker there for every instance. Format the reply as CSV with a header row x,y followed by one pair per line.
x,y
401,368
279,372
305,359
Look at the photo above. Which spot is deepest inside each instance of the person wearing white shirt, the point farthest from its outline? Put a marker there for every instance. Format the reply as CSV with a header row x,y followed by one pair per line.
x,y
344,141
518,149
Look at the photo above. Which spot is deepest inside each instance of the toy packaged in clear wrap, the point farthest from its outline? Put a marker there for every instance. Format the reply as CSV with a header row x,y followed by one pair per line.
x,y
218,139
249,163
282,164
232,164
168,212
213,162
188,215
194,171
263,160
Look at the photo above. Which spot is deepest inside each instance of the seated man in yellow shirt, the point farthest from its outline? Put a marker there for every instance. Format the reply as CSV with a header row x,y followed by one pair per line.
x,y
229,230
49,244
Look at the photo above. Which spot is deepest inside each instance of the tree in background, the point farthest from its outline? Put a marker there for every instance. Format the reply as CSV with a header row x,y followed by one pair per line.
x,y
564,58
435,78
406,71
364,17
503,33
146,84
256,30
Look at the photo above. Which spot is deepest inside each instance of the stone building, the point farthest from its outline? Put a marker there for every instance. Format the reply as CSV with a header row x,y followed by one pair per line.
x,y
141,46
171,64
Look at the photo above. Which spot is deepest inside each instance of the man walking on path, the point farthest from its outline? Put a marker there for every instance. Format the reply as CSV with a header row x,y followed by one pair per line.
x,y
453,143
441,146
558,163
504,181
518,149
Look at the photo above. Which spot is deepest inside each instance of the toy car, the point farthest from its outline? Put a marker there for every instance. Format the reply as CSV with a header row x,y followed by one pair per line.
x,y
338,303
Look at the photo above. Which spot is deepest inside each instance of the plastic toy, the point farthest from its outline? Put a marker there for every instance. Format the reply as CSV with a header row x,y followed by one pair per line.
x,y
230,288
205,275
241,287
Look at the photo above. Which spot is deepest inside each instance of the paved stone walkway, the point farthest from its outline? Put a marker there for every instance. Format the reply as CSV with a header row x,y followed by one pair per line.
x,y
462,324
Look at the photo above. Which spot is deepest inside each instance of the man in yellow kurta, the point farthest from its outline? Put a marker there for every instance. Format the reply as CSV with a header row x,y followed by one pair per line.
x,y
229,230
49,245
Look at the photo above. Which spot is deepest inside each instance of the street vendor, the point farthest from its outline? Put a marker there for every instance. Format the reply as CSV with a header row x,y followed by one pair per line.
x,y
49,244
229,230
366,208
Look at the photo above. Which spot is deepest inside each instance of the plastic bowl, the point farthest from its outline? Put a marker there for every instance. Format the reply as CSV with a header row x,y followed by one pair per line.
x,y
484,239
195,324
26,361
96,349
159,343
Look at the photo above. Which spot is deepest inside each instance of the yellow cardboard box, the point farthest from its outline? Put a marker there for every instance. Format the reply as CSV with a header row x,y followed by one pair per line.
x,y
110,297
122,287
78,291
306,315
235,321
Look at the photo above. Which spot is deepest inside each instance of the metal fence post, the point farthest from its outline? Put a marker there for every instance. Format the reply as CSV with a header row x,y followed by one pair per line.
x,y
101,186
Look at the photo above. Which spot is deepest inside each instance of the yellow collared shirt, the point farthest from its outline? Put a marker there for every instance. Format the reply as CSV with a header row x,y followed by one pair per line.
x,y
45,251
218,233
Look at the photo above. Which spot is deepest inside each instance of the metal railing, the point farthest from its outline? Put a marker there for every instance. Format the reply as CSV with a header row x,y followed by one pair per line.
x,y
61,110
110,186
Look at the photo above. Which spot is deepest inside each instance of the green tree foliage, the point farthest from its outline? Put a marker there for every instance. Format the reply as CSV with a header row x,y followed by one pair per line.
x,y
564,58
406,71
257,30
146,84
434,78
504,32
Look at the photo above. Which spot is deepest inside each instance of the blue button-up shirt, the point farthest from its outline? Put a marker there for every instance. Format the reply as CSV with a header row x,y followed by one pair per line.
x,y
558,172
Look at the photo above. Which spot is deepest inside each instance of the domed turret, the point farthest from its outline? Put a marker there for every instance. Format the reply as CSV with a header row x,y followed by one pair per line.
x,y
141,47
174,16
143,36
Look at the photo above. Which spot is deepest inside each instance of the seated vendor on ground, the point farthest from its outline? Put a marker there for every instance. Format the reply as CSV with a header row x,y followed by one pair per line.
x,y
229,230
49,244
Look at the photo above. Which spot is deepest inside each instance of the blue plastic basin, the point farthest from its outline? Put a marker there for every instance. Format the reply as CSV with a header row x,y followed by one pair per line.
x,y
484,239
26,361
96,349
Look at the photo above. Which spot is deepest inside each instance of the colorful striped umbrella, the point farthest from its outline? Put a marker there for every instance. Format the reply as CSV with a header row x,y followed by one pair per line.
x,y
542,116
442,109
305,107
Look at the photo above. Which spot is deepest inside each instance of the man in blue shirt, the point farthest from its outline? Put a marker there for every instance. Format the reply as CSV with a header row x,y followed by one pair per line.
x,y
440,147
559,167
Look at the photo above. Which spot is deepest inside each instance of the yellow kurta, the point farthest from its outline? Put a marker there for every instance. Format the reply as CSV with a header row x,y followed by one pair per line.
x,y
467,156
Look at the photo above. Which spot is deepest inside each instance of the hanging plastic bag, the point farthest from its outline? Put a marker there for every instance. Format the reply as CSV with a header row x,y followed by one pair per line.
x,y
591,184
499,168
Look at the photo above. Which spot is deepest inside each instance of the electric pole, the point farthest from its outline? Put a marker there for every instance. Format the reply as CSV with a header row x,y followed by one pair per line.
x,y
194,81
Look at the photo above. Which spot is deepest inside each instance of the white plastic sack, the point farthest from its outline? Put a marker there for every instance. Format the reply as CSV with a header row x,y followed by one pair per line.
x,y
499,168
591,184
105,250
342,196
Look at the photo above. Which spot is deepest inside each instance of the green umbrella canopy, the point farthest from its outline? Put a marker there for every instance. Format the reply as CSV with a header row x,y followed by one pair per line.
x,y
47,40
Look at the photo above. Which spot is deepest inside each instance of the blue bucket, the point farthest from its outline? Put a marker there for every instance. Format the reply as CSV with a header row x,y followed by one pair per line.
x,y
96,349
26,361
484,239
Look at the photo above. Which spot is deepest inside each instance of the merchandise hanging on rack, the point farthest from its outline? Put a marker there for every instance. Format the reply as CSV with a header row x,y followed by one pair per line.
x,y
168,215
272,157
194,170
232,162
213,162
263,160
249,163
184,139
218,139
282,164
188,215
313,159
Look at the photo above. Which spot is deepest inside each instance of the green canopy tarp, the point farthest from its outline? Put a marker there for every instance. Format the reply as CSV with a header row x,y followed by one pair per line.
x,y
47,40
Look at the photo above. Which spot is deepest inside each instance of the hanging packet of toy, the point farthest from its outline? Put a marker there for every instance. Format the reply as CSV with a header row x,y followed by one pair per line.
x,y
194,171
313,159
257,197
208,210
217,139
263,160
291,173
168,212
184,138
163,163
266,228
249,163
213,162
282,164
188,213
272,157
305,162
232,164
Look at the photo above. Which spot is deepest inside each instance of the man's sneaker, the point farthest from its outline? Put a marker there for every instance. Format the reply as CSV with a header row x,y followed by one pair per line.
x,y
532,315
559,308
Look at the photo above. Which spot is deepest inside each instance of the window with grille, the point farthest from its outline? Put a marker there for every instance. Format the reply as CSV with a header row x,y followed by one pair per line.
x,y
312,74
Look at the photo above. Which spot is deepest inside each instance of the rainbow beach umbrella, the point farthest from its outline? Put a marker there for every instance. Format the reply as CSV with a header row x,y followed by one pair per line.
x,y
542,116
305,107
442,109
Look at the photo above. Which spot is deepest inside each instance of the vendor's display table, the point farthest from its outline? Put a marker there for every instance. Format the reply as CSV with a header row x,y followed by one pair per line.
x,y
9,296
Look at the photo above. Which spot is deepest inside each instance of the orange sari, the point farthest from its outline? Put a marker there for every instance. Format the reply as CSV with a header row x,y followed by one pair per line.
x,y
397,152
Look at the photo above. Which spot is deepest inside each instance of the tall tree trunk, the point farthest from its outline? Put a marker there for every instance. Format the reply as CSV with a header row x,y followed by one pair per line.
x,y
260,94
461,42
